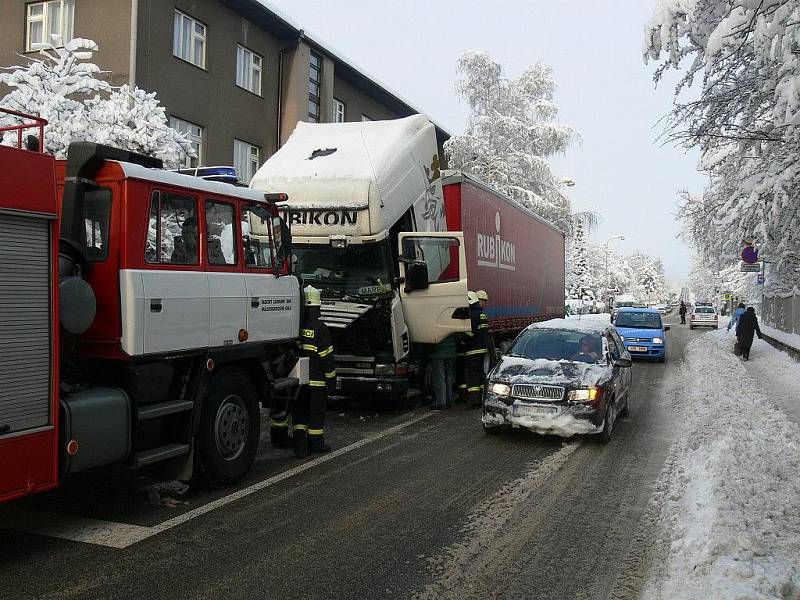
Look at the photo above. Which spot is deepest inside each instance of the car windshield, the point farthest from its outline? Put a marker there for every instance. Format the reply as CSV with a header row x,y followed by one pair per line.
x,y
559,344
358,270
704,309
638,320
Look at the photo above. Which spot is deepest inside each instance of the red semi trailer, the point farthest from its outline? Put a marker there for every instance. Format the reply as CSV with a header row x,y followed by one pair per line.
x,y
513,254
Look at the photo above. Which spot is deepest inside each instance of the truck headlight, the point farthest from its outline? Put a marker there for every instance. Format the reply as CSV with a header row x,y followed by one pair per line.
x,y
584,395
658,340
501,390
384,369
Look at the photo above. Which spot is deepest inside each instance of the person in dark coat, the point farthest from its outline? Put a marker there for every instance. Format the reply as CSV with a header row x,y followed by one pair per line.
x,y
746,328
682,312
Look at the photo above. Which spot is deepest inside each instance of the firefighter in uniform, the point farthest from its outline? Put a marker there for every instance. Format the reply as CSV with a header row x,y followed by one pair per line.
x,y
308,411
484,300
475,347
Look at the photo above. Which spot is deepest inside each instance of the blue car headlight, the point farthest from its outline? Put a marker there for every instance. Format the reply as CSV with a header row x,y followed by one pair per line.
x,y
658,340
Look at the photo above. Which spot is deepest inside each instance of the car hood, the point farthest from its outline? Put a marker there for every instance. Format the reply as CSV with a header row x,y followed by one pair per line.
x,y
511,370
640,333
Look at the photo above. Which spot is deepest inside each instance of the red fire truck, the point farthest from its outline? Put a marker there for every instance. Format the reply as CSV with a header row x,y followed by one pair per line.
x,y
145,316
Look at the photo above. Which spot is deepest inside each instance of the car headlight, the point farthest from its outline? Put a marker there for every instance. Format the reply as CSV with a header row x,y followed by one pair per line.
x,y
500,389
658,340
584,395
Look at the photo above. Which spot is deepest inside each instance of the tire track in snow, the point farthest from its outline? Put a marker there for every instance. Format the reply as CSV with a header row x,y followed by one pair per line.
x,y
457,570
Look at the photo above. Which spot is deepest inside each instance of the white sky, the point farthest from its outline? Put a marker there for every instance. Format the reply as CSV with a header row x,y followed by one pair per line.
x,y
605,91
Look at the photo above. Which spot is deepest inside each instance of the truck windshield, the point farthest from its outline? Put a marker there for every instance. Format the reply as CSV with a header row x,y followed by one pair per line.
x,y
362,270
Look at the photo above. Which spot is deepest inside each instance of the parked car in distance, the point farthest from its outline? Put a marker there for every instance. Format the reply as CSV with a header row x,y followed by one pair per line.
x,y
563,377
662,309
643,332
704,316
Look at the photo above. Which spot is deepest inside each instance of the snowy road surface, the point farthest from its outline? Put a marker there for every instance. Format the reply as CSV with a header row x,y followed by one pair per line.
x,y
425,505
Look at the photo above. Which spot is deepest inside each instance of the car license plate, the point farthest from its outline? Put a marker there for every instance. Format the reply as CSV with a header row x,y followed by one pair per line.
x,y
529,410
637,348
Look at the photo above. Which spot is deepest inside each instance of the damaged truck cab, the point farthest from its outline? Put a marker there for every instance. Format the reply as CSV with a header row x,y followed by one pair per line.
x,y
367,217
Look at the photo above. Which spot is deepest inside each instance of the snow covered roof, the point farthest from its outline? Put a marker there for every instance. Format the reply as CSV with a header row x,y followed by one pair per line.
x,y
134,171
582,323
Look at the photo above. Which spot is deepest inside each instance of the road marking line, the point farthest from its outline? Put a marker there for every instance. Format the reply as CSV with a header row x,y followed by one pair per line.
x,y
122,535
77,529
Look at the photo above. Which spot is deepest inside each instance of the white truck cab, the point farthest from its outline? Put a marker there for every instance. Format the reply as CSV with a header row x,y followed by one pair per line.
x,y
368,226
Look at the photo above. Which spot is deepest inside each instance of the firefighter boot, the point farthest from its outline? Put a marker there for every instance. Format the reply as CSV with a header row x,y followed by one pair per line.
x,y
317,445
279,433
300,443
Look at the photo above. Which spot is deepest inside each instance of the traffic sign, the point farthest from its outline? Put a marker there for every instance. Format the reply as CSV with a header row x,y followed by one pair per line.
x,y
751,267
760,280
750,254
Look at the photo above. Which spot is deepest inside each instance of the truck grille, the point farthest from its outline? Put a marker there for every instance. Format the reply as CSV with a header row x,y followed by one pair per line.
x,y
25,361
537,392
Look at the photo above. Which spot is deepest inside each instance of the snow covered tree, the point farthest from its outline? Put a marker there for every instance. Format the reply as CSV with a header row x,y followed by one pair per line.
x,y
64,87
512,133
745,55
580,277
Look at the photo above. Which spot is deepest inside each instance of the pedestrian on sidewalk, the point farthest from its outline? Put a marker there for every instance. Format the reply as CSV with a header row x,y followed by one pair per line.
x,y
736,315
682,312
746,329
443,371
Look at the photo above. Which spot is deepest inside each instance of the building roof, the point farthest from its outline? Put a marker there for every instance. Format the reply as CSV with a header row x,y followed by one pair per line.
x,y
265,14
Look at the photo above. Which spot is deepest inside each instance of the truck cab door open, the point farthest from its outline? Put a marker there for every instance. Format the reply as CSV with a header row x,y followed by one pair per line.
x,y
433,288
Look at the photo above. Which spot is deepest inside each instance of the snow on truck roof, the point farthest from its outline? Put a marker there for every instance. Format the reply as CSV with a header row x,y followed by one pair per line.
x,y
134,171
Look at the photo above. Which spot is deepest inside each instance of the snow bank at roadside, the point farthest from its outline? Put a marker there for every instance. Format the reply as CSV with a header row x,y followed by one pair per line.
x,y
730,494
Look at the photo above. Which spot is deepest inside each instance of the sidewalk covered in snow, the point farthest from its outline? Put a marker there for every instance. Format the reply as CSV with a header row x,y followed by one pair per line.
x,y
728,501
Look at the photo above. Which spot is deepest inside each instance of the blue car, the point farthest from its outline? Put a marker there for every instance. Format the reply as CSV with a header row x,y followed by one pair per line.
x,y
642,332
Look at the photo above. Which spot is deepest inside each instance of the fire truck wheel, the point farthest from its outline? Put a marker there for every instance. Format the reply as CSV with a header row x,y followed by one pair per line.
x,y
230,427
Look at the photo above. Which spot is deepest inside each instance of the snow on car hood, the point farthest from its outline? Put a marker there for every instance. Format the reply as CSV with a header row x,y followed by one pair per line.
x,y
640,333
512,369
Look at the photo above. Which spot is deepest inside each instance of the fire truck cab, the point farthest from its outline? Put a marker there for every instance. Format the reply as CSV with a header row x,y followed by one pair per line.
x,y
154,311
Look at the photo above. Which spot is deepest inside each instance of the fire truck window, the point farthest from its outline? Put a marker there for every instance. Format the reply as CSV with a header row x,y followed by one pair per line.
x,y
256,236
173,230
220,218
96,218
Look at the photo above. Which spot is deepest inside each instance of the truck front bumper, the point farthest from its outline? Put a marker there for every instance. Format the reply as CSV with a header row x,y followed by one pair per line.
x,y
375,386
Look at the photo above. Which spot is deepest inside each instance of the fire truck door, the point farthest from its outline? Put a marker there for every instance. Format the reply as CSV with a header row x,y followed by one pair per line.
x,y
273,311
176,310
228,308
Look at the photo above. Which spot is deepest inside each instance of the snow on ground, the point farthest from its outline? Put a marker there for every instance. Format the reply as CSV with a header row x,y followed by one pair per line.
x,y
729,497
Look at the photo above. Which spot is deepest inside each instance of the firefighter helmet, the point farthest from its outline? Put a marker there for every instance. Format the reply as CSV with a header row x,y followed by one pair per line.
x,y
482,295
472,297
312,296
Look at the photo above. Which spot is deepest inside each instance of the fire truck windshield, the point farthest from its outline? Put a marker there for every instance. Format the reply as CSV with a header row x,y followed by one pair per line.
x,y
363,270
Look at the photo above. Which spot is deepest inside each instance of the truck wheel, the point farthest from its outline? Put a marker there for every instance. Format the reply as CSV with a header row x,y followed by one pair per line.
x,y
230,428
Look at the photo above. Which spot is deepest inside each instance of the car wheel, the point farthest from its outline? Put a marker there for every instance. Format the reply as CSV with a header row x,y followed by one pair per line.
x,y
230,428
608,427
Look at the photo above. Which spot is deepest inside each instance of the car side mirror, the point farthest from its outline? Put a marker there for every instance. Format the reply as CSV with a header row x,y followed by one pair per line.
x,y
666,327
416,276
623,363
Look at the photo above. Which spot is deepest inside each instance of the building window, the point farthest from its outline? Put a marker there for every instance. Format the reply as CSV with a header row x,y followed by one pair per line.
x,y
365,118
189,40
194,133
338,111
314,81
48,19
245,159
248,70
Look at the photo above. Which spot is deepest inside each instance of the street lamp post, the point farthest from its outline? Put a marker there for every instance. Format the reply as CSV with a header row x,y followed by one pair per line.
x,y
605,276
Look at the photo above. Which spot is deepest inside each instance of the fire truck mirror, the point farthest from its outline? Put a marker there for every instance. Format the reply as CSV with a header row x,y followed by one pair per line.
x,y
77,305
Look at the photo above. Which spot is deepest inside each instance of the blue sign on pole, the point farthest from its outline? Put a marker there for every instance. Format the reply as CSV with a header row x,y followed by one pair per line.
x,y
760,280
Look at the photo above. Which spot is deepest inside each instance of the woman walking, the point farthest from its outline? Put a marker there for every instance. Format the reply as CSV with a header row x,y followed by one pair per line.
x,y
746,328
